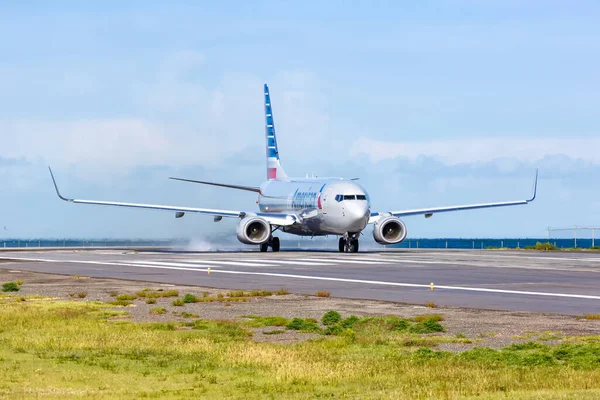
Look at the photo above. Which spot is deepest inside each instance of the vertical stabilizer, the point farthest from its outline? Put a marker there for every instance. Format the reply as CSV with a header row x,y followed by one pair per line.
x,y
274,169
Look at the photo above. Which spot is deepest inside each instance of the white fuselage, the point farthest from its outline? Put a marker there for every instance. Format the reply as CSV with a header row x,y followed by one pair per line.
x,y
323,206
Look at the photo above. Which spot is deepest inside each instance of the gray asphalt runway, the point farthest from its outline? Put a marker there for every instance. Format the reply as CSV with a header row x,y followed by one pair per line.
x,y
566,283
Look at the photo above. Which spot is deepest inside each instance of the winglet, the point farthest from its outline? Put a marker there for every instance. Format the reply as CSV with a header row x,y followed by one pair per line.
x,y
56,186
534,187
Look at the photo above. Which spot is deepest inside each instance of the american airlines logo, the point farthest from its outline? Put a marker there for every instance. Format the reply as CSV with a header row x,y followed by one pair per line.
x,y
304,199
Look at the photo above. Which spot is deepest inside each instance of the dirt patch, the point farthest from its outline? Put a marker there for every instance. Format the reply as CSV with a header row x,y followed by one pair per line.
x,y
483,327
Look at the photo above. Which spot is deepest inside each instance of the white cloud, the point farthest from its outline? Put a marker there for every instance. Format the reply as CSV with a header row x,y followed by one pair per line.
x,y
178,121
474,150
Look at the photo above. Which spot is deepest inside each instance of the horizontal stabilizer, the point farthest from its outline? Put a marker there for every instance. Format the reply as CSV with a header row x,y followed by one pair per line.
x,y
239,187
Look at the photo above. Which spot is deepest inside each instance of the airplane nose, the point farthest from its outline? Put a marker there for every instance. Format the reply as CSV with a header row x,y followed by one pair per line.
x,y
358,215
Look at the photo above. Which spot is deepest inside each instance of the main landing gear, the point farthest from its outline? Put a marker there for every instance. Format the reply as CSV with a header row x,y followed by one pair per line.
x,y
273,243
348,243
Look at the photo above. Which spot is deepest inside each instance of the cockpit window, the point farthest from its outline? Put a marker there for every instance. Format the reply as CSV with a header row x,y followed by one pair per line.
x,y
341,197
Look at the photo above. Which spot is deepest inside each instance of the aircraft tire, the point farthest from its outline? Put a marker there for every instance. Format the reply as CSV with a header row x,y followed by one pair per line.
x,y
342,245
275,244
264,247
354,246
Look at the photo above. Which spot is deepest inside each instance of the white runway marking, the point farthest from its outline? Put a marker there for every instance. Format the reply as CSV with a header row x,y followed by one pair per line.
x,y
171,264
380,260
234,263
483,264
521,257
341,261
289,262
325,278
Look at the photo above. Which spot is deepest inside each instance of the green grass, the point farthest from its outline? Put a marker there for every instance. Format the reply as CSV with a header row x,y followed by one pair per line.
x,y
189,298
178,302
14,297
256,321
331,317
186,315
153,294
332,324
65,349
542,246
302,325
10,287
126,297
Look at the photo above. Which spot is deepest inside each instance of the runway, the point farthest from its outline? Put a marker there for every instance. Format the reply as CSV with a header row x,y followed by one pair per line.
x,y
565,283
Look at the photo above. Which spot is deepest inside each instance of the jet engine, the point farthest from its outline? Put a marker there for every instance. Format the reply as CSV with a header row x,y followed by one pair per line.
x,y
389,230
253,230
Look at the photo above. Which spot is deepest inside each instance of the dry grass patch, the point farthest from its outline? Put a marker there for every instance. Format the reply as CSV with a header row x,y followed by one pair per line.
x,y
322,294
251,293
591,316
423,318
158,310
120,303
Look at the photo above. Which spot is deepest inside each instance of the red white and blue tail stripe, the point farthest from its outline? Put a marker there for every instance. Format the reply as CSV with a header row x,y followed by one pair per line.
x,y
274,169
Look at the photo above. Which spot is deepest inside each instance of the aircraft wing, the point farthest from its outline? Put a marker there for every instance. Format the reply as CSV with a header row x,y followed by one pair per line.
x,y
239,187
428,212
272,218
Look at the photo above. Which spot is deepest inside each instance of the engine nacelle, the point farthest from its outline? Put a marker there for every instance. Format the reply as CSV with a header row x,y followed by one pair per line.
x,y
389,230
253,230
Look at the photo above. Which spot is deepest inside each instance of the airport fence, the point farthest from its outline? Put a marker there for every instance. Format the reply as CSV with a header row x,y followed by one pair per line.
x,y
576,231
38,243
411,243
483,243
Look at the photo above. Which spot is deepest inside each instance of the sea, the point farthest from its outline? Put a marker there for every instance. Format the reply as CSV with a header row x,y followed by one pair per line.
x,y
421,243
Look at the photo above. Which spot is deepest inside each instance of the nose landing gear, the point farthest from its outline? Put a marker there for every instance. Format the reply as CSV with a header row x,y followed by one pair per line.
x,y
348,243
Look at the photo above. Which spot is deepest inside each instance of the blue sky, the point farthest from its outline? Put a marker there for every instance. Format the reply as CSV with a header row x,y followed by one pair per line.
x,y
431,103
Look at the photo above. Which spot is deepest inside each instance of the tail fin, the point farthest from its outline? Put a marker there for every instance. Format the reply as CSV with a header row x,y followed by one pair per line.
x,y
274,169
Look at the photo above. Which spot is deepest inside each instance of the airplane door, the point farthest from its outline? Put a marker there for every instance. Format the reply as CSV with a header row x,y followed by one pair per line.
x,y
326,197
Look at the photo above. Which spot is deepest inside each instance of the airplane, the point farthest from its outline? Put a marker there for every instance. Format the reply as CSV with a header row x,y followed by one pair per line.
x,y
305,206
